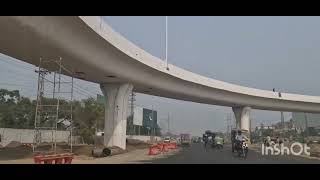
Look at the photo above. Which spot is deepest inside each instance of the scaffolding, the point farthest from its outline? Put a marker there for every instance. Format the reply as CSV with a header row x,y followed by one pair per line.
x,y
54,105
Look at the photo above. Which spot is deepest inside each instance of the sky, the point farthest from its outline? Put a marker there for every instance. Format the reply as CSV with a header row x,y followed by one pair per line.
x,y
259,52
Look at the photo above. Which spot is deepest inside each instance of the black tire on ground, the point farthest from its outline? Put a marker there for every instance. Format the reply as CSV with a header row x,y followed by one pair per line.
x,y
98,152
246,153
106,151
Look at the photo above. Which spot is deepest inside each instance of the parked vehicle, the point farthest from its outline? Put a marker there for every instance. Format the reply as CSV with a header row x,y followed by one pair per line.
x,y
166,140
185,139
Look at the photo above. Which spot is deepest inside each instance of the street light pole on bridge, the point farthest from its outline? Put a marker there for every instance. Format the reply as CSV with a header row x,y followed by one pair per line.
x,y
167,42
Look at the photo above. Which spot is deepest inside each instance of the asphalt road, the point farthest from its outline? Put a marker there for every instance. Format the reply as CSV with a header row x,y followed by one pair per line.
x,y
197,154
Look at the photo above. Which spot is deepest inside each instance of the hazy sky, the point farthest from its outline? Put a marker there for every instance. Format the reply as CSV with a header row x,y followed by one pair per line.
x,y
259,52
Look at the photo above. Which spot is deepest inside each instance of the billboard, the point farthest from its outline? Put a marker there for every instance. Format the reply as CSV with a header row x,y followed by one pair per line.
x,y
137,116
149,118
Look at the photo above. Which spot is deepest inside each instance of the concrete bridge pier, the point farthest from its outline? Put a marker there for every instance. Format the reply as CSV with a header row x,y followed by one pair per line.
x,y
242,115
116,107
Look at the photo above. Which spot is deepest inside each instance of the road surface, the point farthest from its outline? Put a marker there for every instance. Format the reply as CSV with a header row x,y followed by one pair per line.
x,y
197,154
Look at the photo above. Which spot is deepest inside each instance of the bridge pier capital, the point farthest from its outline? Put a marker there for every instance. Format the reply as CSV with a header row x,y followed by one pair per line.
x,y
116,107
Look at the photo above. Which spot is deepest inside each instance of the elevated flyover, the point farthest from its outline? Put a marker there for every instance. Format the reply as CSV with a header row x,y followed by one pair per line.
x,y
98,54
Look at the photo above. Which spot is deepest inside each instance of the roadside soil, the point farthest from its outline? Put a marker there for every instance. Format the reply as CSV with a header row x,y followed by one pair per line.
x,y
16,152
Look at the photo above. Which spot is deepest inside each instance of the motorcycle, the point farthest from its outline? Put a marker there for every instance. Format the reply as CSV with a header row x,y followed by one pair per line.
x,y
243,149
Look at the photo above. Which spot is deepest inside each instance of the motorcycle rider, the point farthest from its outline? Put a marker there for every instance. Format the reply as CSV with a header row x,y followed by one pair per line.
x,y
205,140
239,139
210,139
267,141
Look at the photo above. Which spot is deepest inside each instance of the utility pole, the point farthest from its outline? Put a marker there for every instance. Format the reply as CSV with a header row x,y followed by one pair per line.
x,y
250,127
229,126
168,123
132,104
167,42
152,121
306,123
282,121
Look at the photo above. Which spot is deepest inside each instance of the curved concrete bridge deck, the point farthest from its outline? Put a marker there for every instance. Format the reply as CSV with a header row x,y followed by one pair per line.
x,y
89,46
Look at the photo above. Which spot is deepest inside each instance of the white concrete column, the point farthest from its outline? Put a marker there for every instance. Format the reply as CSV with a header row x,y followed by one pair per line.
x,y
242,115
116,108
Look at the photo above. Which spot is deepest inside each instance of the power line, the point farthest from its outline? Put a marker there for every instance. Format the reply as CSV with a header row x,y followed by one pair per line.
x,y
15,77
32,89
13,84
74,82
75,90
18,85
20,78
11,69
50,86
86,89
83,91
12,62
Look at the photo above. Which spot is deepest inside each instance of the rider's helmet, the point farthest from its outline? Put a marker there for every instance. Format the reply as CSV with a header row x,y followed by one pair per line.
x,y
239,132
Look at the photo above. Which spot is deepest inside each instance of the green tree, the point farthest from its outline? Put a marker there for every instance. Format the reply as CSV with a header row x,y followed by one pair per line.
x,y
19,112
24,113
87,115
8,101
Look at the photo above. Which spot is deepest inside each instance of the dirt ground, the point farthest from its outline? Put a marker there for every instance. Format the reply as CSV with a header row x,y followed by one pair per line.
x,y
20,152
16,152
136,156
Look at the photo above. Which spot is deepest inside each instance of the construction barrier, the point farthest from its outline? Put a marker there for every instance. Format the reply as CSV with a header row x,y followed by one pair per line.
x,y
154,150
172,145
54,159
162,148
175,146
165,147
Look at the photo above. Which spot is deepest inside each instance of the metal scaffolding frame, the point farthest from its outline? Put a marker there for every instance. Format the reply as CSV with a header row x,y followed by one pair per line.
x,y
53,102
